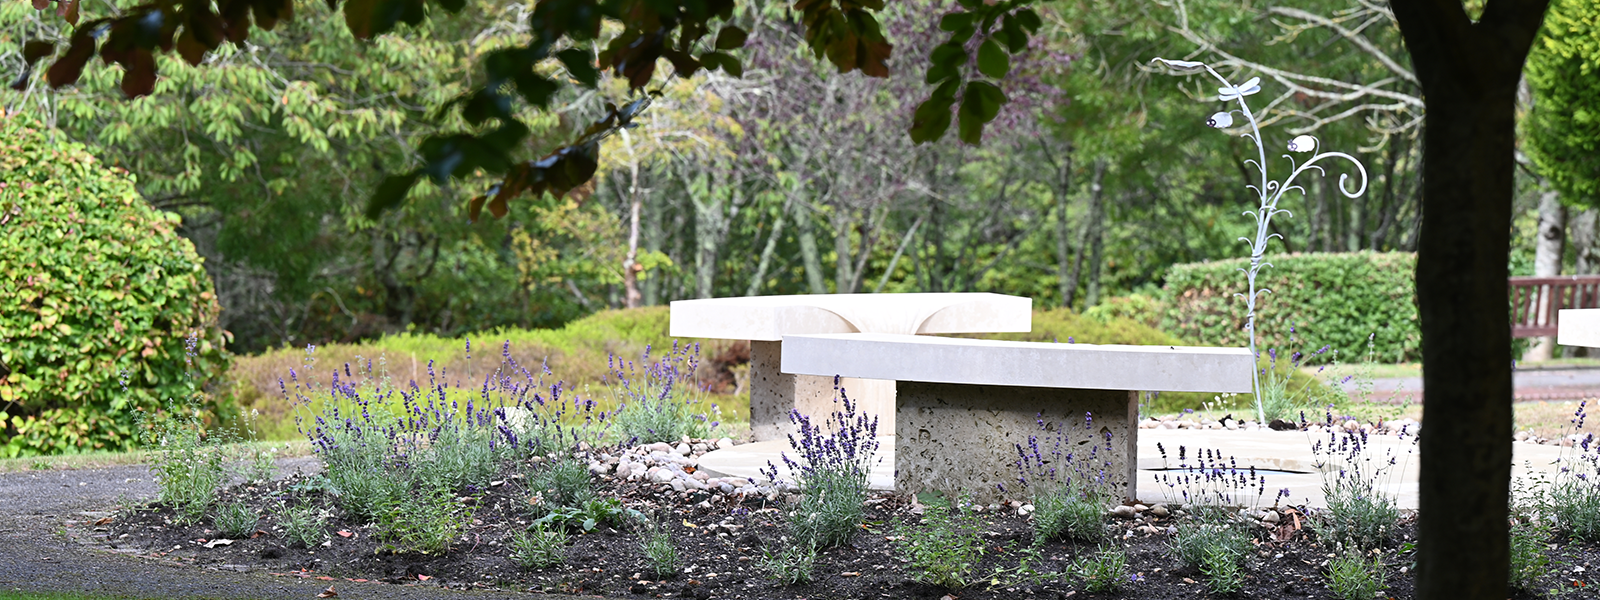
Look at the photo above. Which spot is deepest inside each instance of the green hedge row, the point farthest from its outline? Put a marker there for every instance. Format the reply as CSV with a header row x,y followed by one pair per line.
x,y
1334,299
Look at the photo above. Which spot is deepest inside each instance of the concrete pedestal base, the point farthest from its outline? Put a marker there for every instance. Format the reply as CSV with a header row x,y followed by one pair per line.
x,y
773,394
952,438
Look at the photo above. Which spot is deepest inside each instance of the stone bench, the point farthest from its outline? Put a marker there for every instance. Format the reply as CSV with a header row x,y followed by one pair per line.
x,y
962,405
765,320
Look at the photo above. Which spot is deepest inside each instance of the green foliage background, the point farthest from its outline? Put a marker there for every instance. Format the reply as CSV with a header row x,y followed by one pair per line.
x,y
95,286
1562,130
1335,299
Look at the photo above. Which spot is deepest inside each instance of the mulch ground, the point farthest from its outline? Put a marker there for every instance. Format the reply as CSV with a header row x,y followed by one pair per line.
x,y
721,539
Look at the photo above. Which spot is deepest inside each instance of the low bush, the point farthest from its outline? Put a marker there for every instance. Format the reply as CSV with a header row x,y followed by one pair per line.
x,y
1528,560
189,468
791,563
1069,512
561,483
1216,543
426,522
945,549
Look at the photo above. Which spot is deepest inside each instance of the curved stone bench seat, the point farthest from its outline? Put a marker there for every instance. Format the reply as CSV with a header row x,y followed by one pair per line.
x,y
963,405
765,320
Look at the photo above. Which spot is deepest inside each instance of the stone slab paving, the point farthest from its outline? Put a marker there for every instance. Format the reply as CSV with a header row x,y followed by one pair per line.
x,y
1277,450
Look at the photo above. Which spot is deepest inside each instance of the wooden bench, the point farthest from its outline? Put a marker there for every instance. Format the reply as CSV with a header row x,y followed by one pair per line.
x,y
765,320
963,405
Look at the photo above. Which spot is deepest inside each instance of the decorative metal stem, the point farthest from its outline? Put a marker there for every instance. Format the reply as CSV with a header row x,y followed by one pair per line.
x,y
1268,193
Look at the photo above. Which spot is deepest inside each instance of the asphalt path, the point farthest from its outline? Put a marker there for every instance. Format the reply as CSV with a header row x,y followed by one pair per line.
x,y
46,531
1528,385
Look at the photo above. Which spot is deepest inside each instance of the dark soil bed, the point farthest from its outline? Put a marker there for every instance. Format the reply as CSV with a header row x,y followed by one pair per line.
x,y
720,539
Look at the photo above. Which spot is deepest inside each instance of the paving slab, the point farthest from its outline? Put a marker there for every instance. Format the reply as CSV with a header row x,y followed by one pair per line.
x,y
1287,453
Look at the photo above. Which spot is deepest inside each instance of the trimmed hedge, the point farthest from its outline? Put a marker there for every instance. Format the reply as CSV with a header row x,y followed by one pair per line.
x,y
1334,299
97,292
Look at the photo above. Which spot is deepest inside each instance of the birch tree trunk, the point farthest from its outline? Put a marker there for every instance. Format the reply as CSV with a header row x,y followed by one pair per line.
x,y
1549,245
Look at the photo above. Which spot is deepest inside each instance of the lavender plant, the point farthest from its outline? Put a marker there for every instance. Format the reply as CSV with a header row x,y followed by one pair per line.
x,y
1573,496
1069,487
1528,560
657,401
835,460
426,522
1106,570
382,443
235,520
304,524
189,464
1208,478
1356,482
1268,192
539,547
659,551
1353,577
790,564
561,483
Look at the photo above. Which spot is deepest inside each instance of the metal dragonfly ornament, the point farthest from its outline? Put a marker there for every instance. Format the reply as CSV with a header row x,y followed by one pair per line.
x,y
1269,192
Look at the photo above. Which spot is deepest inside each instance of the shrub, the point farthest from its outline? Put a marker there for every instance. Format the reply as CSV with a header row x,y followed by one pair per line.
x,y
94,283
1336,299
946,548
1352,577
539,547
1217,544
1069,512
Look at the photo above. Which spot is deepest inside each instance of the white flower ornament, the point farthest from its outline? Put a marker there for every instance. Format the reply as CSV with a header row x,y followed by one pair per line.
x,y
1304,143
1232,92
1220,120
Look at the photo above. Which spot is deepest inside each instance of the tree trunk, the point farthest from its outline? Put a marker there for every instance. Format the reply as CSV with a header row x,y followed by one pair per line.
x,y
630,264
766,252
1318,223
809,257
1549,245
1091,216
1585,226
843,274
1096,253
1469,73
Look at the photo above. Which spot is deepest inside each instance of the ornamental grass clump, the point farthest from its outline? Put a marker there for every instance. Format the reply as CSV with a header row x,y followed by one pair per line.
x,y
658,401
1066,479
1356,475
835,459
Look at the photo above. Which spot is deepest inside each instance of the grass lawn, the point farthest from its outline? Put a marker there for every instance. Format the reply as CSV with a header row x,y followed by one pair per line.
x,y
95,460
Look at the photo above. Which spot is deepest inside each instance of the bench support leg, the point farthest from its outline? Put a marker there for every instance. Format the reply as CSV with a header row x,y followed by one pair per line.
x,y
951,438
774,393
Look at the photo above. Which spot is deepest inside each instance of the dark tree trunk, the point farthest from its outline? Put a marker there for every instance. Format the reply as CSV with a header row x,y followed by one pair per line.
x,y
1469,74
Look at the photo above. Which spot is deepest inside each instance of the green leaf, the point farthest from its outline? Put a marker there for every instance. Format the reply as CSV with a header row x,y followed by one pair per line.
x,y
956,21
730,37
1029,20
727,62
580,64
391,192
979,105
931,120
993,60
971,4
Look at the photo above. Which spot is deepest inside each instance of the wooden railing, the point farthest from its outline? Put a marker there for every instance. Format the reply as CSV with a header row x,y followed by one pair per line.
x,y
1536,302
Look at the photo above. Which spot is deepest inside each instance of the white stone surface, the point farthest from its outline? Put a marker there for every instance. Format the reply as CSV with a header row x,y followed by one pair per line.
x,y
1032,364
1579,327
770,318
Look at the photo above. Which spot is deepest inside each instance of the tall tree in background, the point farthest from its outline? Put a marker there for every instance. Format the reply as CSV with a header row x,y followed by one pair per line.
x,y
1469,71
1562,129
